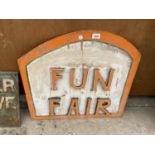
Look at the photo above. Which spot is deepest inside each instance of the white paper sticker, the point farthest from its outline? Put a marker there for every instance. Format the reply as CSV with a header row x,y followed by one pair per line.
x,y
96,36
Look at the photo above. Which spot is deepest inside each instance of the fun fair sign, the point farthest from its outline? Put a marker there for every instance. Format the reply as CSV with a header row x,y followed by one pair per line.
x,y
79,75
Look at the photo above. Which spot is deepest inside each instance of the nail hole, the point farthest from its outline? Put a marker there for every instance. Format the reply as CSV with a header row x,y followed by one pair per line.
x,y
80,37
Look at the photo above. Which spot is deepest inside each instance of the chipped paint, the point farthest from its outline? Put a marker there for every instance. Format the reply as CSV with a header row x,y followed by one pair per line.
x,y
92,55
77,76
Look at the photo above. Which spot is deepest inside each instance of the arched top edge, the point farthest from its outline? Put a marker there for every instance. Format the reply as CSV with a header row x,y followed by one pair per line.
x,y
82,35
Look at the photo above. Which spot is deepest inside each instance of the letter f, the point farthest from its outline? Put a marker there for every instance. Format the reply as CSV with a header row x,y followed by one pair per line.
x,y
55,76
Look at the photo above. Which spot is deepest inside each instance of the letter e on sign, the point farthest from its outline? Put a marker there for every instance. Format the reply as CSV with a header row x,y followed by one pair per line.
x,y
84,74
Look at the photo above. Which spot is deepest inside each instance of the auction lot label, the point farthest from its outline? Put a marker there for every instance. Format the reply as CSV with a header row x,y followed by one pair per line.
x,y
9,99
79,75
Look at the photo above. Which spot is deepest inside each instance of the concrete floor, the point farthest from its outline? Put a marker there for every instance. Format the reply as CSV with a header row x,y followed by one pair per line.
x,y
139,118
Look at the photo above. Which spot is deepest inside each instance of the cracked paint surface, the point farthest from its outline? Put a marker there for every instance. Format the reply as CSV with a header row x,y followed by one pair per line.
x,y
82,54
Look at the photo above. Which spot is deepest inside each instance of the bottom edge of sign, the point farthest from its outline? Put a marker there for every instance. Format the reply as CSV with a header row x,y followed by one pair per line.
x,y
114,115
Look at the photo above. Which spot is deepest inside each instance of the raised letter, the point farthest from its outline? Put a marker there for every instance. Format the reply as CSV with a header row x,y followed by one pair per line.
x,y
74,106
54,102
98,77
102,104
56,76
84,78
88,106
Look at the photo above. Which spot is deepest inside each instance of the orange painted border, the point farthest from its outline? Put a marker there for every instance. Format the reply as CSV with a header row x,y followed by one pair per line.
x,y
57,42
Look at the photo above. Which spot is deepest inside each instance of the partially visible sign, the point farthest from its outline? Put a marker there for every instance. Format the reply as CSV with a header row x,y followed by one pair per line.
x,y
9,99
79,75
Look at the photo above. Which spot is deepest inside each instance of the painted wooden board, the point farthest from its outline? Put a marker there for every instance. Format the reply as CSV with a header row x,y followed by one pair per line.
x,y
78,75
9,99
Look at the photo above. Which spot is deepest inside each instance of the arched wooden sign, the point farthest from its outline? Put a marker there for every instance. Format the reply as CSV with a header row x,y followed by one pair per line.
x,y
79,75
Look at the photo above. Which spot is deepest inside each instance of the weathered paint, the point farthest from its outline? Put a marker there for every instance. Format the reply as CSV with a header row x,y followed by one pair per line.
x,y
9,99
93,55
89,50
